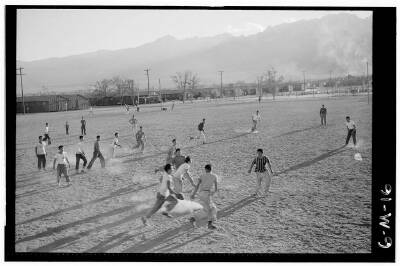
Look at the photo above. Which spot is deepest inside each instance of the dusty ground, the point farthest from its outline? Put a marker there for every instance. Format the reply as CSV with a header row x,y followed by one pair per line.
x,y
320,202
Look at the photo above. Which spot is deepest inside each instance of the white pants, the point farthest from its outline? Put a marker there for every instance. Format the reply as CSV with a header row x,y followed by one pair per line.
x,y
260,176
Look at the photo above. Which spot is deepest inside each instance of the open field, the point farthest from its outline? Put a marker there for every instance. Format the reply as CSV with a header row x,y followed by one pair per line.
x,y
320,201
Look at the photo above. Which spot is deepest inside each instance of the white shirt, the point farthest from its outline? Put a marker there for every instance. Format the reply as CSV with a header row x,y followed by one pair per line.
x,y
351,124
60,158
256,117
181,170
80,148
115,142
40,148
46,130
171,152
163,186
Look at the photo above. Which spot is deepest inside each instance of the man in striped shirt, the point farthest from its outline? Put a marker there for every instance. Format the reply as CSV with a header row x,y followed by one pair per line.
x,y
261,171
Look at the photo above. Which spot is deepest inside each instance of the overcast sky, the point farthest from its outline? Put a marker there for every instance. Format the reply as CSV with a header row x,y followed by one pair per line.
x,y
57,33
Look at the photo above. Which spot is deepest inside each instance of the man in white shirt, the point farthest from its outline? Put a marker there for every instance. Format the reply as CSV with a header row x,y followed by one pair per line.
x,y
61,160
165,193
256,119
115,144
182,172
46,134
171,152
351,130
205,188
41,153
80,154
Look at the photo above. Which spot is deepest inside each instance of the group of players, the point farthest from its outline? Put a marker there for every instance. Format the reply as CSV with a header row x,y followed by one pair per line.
x,y
175,169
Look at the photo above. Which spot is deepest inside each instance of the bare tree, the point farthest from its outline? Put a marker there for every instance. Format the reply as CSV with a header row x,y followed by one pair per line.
x,y
182,81
272,81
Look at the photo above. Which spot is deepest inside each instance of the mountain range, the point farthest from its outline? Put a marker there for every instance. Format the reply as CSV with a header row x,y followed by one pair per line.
x,y
336,44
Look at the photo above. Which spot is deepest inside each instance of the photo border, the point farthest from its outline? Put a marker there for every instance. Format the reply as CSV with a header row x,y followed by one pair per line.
x,y
383,153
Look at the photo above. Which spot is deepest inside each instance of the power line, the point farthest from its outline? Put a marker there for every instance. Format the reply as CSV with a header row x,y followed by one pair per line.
x,y
148,81
22,87
222,93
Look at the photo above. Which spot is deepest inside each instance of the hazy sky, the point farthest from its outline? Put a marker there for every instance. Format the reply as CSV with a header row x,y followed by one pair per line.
x,y
57,33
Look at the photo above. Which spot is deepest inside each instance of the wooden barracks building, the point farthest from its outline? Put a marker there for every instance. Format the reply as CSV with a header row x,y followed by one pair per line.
x,y
52,103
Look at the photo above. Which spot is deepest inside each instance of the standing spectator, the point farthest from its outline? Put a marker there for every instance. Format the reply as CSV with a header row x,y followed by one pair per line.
x,y
322,113
200,127
351,130
41,154
256,119
80,154
140,139
261,171
97,154
61,160
83,126
66,128
115,144
46,134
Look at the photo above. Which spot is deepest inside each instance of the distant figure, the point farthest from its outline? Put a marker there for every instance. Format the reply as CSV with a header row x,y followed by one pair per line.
x,y
127,108
46,134
66,128
40,152
206,192
115,144
322,113
97,154
164,193
133,122
259,99
179,159
351,130
80,154
172,107
171,152
200,127
261,171
91,110
83,126
140,139
61,159
256,119
137,108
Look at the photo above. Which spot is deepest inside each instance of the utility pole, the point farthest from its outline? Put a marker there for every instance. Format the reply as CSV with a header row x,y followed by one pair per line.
x,y
222,93
304,79
148,81
22,87
367,83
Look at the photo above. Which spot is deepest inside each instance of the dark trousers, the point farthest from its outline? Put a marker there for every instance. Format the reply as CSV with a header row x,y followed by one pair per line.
x,y
62,169
41,161
351,133
66,130
83,131
80,156
323,120
95,156
47,137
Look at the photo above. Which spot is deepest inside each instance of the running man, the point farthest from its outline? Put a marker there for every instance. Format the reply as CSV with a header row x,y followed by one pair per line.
x,y
164,193
262,172
41,153
66,128
83,126
115,144
80,154
181,173
179,159
61,160
97,154
256,119
351,130
133,122
322,113
206,193
200,127
46,134
140,139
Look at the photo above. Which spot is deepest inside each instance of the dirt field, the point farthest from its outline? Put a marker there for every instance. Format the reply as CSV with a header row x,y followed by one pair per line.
x,y
320,201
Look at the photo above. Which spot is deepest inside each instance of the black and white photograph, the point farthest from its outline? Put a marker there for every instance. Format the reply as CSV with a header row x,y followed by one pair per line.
x,y
196,130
